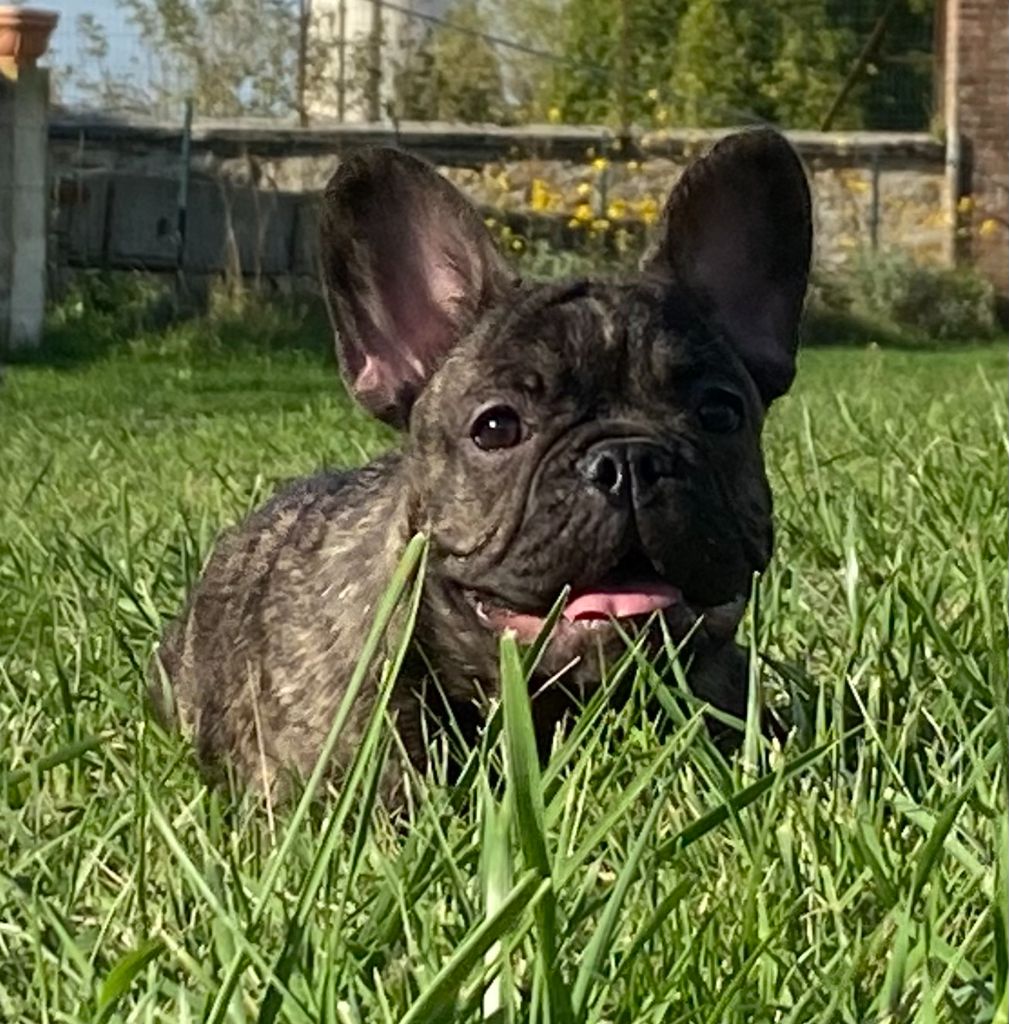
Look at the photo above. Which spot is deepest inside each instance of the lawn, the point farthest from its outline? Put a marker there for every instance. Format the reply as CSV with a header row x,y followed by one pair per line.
x,y
857,874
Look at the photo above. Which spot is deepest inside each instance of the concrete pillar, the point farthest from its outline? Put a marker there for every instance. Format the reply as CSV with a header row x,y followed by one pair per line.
x,y
24,103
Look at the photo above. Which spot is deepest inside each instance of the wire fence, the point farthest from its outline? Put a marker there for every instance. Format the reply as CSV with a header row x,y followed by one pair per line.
x,y
650,64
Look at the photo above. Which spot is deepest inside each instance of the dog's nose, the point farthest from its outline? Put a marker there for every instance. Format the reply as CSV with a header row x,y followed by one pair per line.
x,y
618,468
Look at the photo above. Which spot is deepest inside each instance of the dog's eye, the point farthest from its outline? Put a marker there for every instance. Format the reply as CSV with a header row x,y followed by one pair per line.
x,y
497,427
720,411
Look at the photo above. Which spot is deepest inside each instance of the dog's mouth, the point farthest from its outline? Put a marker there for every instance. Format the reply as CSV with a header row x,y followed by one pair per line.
x,y
633,593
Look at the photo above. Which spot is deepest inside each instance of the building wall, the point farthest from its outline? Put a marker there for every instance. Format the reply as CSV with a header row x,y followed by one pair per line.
x,y
984,123
984,112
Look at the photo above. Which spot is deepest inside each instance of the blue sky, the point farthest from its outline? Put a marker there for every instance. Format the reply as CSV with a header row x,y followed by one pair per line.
x,y
126,55
106,11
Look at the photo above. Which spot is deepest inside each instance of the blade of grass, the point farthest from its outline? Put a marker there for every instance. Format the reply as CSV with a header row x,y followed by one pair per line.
x,y
439,997
525,793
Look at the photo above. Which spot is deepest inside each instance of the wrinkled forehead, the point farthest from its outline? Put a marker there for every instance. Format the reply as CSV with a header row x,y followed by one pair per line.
x,y
644,330
572,315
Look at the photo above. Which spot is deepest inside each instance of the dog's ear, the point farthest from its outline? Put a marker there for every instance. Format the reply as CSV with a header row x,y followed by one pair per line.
x,y
737,233
408,266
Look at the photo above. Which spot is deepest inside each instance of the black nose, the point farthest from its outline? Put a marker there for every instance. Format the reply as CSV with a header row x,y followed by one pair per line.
x,y
618,468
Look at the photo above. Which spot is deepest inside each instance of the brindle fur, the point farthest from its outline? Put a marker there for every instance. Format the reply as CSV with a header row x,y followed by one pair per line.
x,y
431,327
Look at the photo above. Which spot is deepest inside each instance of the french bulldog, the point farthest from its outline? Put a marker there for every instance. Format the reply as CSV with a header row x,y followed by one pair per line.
x,y
596,437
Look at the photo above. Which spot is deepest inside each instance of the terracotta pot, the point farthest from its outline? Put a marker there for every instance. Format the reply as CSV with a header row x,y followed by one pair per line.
x,y
24,33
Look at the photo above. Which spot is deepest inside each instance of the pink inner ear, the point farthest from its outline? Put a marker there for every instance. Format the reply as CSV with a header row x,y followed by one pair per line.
x,y
414,321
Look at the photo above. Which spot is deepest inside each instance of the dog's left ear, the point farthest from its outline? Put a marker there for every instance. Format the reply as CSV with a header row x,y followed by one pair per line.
x,y
737,233
408,267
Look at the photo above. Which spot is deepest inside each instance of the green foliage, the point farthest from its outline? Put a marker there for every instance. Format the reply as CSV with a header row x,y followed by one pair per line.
x,y
897,89
923,303
711,67
674,62
857,874
235,58
449,75
102,313
721,62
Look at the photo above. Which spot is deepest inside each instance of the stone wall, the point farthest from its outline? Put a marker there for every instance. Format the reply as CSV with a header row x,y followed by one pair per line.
x,y
253,187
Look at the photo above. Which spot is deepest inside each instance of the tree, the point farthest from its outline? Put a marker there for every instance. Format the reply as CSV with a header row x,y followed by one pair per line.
x,y
896,92
687,62
91,80
711,81
583,85
235,57
716,62
451,73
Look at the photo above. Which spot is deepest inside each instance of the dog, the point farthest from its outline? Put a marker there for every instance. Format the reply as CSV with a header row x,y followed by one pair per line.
x,y
597,435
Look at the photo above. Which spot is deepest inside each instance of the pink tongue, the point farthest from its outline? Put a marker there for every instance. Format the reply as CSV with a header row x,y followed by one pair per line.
x,y
621,602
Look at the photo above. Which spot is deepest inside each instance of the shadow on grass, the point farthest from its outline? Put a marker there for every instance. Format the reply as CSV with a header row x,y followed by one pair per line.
x,y
105,315
823,327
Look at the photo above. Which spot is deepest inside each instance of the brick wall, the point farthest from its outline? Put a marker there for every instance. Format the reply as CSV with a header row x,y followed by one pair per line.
x,y
984,113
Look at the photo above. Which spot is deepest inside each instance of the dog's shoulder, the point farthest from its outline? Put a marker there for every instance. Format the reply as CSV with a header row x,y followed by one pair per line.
x,y
325,492
269,554
301,511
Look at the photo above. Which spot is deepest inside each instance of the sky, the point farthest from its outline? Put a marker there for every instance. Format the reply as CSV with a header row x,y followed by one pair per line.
x,y
126,54
106,11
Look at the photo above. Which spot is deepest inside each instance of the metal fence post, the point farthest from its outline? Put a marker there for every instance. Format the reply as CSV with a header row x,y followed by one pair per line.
x,y
183,200
874,209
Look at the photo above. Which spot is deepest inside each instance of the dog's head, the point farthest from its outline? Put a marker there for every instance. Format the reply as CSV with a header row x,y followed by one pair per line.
x,y
602,436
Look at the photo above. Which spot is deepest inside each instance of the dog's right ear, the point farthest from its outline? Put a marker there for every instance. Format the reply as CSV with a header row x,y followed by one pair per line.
x,y
408,267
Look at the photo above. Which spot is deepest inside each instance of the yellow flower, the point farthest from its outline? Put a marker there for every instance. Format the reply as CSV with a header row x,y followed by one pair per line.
x,y
574,223
583,213
539,195
600,163
652,94
490,222
616,209
647,209
584,189
517,244
600,224
662,115
554,115
989,227
633,165
965,205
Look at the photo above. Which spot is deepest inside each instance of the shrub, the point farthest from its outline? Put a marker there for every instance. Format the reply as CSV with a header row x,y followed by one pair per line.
x,y
99,311
105,312
921,302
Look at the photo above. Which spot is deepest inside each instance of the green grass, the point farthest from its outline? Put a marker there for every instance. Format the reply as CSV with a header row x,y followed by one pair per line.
x,y
858,874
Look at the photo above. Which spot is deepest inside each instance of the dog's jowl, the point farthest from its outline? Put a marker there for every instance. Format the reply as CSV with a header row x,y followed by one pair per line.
x,y
602,436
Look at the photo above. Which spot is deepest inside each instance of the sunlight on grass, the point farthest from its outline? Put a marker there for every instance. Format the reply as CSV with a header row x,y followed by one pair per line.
x,y
859,873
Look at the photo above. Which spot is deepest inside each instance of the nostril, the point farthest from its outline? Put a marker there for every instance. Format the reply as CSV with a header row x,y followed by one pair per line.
x,y
606,473
604,470
652,464
648,469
